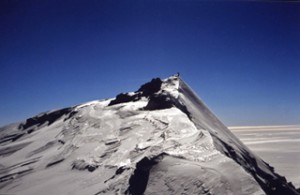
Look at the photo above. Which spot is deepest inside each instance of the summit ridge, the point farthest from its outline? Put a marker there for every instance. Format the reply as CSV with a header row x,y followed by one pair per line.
x,y
160,139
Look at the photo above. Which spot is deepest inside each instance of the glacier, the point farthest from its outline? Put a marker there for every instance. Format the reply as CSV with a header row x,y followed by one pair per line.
x,y
160,139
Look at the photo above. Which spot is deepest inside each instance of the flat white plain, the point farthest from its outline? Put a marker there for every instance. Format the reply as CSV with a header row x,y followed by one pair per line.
x,y
277,145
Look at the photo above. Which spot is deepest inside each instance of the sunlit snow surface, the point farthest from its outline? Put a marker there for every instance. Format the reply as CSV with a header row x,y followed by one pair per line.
x,y
278,145
129,147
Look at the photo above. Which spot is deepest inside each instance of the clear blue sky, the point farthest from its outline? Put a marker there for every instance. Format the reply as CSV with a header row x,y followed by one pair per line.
x,y
242,58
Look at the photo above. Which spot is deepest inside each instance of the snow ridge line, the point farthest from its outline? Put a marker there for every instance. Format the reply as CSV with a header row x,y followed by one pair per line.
x,y
271,182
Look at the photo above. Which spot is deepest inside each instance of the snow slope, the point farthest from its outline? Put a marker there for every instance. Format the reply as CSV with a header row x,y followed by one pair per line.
x,y
160,139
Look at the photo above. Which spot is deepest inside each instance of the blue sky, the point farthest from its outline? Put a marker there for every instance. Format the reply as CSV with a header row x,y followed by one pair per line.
x,y
242,58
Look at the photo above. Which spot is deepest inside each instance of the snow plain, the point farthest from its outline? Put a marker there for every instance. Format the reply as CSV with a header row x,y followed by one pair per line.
x,y
278,145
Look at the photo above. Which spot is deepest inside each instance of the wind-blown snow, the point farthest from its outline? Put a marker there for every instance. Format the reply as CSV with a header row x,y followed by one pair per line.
x,y
160,139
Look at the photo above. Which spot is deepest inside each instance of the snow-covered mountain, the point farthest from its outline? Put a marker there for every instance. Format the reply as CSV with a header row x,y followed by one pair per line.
x,y
161,139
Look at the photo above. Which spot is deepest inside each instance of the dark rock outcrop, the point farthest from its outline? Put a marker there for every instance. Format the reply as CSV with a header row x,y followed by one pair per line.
x,y
49,117
146,90
123,98
151,87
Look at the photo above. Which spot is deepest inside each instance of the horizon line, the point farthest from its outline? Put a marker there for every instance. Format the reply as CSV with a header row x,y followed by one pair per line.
x,y
265,127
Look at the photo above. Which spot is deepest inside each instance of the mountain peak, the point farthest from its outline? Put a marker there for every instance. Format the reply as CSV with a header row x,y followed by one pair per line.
x,y
153,88
160,139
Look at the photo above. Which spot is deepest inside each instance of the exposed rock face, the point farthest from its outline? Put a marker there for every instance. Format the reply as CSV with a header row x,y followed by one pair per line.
x,y
160,139
43,118
150,88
